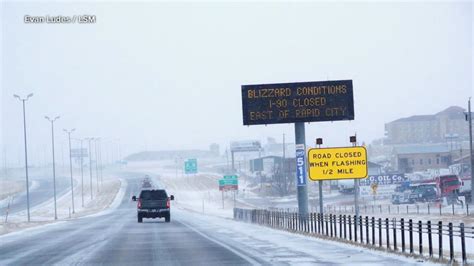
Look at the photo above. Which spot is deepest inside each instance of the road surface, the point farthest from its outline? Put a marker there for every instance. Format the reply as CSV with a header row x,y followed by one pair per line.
x,y
115,238
42,191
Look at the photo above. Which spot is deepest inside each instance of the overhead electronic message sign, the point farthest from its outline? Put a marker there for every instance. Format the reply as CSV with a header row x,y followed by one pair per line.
x,y
297,102
337,163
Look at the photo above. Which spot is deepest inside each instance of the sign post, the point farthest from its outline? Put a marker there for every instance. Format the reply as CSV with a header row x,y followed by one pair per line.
x,y
298,103
319,142
228,182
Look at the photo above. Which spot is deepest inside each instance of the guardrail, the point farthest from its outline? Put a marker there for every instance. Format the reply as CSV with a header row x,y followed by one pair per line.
x,y
435,240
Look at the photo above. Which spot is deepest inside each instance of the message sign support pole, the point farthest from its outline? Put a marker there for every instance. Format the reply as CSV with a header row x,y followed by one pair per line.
x,y
232,155
222,199
301,186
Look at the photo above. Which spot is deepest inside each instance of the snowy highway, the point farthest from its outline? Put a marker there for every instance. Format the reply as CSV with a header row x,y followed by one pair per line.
x,y
41,190
114,237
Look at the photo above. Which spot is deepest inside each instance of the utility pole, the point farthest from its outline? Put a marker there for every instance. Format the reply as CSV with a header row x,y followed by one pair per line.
x,y
70,166
54,164
26,153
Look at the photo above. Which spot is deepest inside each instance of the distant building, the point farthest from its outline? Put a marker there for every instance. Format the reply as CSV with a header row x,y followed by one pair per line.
x,y
374,168
168,155
446,126
412,158
214,148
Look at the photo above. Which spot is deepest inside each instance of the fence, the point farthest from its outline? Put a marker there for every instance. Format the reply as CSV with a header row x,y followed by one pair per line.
x,y
424,238
428,208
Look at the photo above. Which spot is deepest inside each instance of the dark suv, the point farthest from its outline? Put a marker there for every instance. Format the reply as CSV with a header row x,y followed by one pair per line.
x,y
426,193
153,203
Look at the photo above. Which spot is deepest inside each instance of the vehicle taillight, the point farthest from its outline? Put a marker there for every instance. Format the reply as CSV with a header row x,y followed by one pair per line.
x,y
139,204
168,203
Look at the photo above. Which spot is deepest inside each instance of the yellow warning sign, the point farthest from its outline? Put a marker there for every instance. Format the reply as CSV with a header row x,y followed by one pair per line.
x,y
337,163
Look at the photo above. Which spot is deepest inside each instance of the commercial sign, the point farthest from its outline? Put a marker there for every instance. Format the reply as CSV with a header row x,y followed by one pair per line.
x,y
297,102
248,145
190,166
300,165
79,153
337,163
383,179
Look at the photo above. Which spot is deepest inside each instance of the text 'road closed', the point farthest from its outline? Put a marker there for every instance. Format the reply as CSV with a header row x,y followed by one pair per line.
x,y
337,163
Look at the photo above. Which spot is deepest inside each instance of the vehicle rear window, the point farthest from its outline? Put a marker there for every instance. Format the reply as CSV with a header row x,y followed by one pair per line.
x,y
451,183
153,195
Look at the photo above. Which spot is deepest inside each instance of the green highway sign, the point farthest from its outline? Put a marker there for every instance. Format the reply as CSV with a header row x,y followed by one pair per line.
x,y
190,166
229,182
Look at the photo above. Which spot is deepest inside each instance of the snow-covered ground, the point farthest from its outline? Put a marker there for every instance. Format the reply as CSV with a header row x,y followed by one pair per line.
x,y
199,194
198,206
44,213
10,187
281,247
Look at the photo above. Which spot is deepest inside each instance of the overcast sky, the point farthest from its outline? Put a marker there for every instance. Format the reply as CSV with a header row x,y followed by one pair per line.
x,y
169,75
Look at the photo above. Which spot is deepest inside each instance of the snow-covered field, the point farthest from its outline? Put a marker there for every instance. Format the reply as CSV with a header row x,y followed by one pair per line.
x,y
10,187
44,213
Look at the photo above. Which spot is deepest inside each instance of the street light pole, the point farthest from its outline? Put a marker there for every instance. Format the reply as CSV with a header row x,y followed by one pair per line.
x,y
96,163
70,166
26,153
90,163
54,166
101,164
82,173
